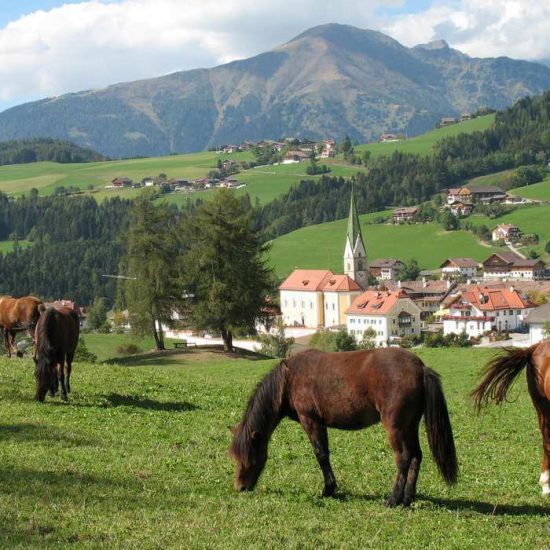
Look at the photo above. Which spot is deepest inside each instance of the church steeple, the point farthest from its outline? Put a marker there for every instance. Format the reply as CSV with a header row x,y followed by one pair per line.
x,y
355,253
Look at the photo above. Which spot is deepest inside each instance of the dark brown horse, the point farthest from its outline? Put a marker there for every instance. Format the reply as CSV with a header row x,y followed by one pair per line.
x,y
18,314
56,340
499,375
349,391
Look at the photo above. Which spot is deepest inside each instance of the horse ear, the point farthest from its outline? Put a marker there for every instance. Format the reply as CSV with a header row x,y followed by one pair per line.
x,y
232,429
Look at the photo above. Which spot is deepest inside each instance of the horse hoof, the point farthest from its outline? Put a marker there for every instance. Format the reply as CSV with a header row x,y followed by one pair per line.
x,y
328,492
391,502
64,398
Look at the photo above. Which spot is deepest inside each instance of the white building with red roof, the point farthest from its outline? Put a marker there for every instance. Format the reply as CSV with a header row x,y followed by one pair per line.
x,y
392,315
316,298
458,267
482,309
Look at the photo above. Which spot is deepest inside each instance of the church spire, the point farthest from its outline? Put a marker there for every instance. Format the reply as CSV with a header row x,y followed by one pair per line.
x,y
354,227
355,252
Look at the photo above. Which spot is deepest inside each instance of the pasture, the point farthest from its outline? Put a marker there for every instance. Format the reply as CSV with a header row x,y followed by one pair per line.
x,y
138,458
537,191
423,144
322,246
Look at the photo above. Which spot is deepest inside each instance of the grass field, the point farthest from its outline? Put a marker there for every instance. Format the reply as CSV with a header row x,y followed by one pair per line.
x,y
7,246
138,458
537,191
322,246
423,145
265,183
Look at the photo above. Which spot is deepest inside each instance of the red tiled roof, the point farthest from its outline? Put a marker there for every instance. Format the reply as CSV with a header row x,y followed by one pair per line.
x,y
341,283
385,262
374,302
490,299
307,279
460,262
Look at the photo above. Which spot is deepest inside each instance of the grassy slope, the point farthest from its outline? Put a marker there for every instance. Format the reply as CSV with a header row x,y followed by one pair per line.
x,y
322,246
423,144
138,458
538,191
7,246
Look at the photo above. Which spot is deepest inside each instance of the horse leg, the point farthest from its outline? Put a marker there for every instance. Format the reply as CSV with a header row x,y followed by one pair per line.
x,y
318,436
416,452
7,340
69,369
544,480
403,458
61,378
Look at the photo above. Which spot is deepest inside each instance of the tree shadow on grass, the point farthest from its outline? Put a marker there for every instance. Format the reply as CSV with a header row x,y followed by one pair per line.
x,y
40,432
118,400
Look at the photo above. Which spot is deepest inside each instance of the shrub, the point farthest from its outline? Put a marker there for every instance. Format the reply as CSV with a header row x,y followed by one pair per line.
x,y
344,341
276,345
323,341
84,354
127,349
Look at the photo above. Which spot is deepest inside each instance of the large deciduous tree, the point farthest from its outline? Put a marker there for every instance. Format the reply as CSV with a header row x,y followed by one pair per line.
x,y
225,267
151,292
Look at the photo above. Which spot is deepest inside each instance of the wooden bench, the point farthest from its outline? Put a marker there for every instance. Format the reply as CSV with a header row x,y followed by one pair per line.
x,y
185,345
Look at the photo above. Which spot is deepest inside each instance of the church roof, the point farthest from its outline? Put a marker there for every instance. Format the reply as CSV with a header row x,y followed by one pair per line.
x,y
354,227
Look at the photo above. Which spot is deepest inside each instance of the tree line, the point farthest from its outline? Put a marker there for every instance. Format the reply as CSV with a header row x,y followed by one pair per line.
x,y
23,151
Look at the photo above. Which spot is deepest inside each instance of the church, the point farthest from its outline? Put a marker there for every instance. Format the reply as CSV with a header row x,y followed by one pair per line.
x,y
316,298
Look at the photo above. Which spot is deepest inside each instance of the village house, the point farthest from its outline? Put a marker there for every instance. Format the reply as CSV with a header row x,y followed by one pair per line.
x,y
481,193
388,138
453,268
428,295
539,324
386,269
447,121
228,149
465,116
404,214
148,182
509,265
121,182
295,156
506,232
329,148
392,316
482,309
461,209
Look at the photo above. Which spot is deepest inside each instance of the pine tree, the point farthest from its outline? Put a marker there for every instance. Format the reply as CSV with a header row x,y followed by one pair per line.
x,y
225,267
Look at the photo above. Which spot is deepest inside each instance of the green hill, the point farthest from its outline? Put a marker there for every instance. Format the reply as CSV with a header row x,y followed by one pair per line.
x,y
423,144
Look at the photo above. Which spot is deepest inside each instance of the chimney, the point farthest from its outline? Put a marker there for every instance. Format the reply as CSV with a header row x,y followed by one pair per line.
x,y
512,288
424,282
469,282
448,284
399,284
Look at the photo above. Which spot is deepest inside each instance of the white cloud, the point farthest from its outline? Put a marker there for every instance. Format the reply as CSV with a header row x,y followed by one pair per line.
x,y
96,43
481,28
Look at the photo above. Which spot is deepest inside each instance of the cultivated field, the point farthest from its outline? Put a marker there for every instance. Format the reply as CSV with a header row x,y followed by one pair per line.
x,y
138,458
423,144
321,246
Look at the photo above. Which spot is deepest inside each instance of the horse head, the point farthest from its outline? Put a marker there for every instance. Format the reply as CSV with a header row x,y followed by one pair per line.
x,y
249,450
45,375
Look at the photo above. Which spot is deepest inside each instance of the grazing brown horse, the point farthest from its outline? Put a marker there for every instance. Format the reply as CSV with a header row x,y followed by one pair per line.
x,y
350,391
499,375
56,340
19,314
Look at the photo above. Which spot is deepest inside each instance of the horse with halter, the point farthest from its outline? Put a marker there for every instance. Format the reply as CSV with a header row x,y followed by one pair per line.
x,y
18,314
499,375
349,391
57,334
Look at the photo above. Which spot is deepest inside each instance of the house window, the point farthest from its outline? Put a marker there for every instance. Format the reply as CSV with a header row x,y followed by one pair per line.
x,y
326,305
333,307
511,312
310,305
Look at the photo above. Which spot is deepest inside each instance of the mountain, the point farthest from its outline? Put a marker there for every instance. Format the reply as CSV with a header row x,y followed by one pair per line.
x,y
328,81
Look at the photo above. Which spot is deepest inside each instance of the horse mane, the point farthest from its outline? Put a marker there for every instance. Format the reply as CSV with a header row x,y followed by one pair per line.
x,y
261,412
44,329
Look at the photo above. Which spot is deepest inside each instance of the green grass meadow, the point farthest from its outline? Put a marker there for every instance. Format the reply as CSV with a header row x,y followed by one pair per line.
x,y
322,246
138,458
537,191
423,144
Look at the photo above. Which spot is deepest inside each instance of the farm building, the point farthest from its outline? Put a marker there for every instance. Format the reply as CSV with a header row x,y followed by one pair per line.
x,y
406,214
386,269
392,315
458,267
507,232
508,265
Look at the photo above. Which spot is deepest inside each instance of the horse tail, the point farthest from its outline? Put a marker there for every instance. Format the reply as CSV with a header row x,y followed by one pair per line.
x,y
499,375
438,427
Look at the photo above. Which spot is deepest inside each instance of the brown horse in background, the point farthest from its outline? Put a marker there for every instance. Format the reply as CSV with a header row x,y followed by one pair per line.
x,y
17,314
57,334
349,391
500,373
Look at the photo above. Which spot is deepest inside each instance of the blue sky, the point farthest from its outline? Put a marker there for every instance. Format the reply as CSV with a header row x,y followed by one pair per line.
x,y
51,47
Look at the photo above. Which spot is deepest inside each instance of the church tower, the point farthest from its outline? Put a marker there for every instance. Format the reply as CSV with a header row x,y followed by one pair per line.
x,y
355,253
